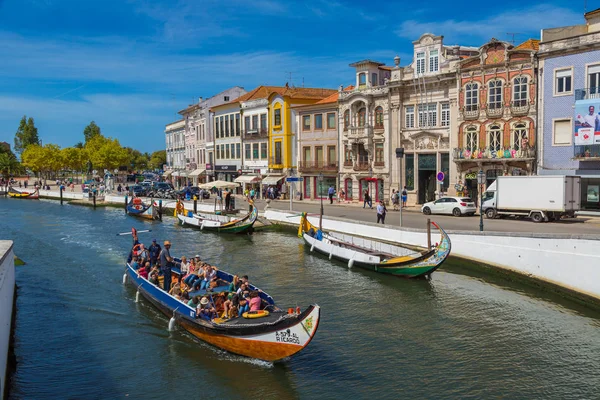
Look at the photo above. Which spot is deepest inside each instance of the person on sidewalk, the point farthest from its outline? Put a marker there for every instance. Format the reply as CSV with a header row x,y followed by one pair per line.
x,y
404,196
367,199
331,193
381,211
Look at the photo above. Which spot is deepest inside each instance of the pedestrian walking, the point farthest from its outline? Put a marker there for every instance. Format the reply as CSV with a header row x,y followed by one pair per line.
x,y
381,211
367,199
404,196
331,193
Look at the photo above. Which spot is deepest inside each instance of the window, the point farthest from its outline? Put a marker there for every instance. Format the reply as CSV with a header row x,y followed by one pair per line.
x,y
362,79
561,134
225,98
306,122
227,152
319,121
255,151
362,117
248,151
331,155
237,125
263,122
594,80
306,154
217,130
422,115
421,62
319,154
346,119
246,124
495,94
432,114
238,153
445,119
278,117
520,91
409,171
222,151
471,139
520,139
472,97
217,154
263,151
563,83
494,137
379,154
347,156
373,79
434,61
255,122
278,152
409,116
379,117
227,125
331,121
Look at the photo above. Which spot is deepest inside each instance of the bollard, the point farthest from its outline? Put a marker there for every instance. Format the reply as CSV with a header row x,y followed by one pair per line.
x,y
125,204
428,234
61,195
94,198
195,206
160,210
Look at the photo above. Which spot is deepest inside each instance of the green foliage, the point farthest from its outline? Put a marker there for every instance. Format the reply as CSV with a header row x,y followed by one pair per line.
x,y
158,159
26,135
90,131
106,153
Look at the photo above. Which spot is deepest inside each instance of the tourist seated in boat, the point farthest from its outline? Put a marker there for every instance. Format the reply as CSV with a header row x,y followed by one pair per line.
x,y
153,277
135,263
235,284
143,254
176,288
194,302
210,275
242,302
205,310
185,265
144,270
192,275
229,309
255,301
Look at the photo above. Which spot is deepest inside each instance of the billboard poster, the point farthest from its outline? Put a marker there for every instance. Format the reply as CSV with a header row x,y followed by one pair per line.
x,y
587,122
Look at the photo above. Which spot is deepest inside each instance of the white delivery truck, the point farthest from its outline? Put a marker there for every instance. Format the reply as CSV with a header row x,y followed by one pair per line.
x,y
541,198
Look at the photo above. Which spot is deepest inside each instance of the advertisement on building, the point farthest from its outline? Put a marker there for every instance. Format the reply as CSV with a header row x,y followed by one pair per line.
x,y
587,122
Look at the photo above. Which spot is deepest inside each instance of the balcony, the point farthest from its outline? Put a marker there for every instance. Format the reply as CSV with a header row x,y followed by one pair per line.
x,y
379,164
275,162
519,107
470,112
494,110
261,133
359,132
362,166
348,163
587,93
315,166
507,154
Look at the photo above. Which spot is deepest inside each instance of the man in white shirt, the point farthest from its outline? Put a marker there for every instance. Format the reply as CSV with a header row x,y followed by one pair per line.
x,y
588,121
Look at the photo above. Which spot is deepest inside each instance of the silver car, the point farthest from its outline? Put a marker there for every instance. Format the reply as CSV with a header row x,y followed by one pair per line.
x,y
456,206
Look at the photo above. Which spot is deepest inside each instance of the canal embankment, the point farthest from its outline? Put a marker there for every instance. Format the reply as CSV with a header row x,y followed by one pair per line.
x,y
7,296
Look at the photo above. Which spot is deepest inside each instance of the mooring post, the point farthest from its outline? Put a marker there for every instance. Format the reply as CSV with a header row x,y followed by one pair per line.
x,y
126,204
94,198
195,205
61,194
428,234
160,210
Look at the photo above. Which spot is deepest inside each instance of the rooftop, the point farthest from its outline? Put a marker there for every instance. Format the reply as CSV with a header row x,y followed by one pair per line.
x,y
367,61
531,44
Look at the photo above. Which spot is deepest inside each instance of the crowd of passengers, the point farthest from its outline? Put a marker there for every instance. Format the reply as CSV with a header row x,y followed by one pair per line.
x,y
195,276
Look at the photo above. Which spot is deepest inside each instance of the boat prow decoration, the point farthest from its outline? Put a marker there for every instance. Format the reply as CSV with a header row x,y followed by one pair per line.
x,y
220,223
376,256
138,208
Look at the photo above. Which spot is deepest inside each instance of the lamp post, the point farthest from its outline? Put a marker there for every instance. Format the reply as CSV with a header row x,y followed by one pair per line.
x,y
481,182
320,179
400,156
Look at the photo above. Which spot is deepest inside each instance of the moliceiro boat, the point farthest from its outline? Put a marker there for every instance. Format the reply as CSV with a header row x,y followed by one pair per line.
x,y
270,334
23,194
138,208
219,223
376,256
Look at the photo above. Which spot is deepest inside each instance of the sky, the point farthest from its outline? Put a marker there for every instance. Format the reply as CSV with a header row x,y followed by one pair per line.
x,y
130,65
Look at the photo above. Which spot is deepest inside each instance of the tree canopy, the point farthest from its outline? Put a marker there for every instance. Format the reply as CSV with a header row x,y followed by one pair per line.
x,y
90,131
158,159
106,153
26,135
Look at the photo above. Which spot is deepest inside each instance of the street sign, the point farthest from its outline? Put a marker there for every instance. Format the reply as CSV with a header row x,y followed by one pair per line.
x,y
440,176
294,179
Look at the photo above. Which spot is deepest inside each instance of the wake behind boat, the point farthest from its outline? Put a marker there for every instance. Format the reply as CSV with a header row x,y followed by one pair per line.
x,y
270,334
23,194
376,256
218,223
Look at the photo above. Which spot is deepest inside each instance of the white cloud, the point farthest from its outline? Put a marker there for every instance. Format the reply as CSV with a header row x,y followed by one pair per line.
x,y
528,21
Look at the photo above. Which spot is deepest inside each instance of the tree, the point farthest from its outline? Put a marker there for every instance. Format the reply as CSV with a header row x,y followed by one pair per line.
x,y
8,164
106,153
158,159
73,158
26,135
90,131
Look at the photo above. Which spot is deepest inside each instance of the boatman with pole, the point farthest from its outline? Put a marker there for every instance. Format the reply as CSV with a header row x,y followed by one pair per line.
x,y
166,262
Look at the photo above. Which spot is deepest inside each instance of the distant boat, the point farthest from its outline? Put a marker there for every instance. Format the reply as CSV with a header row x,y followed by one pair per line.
x,y
270,334
376,256
23,194
218,223
138,208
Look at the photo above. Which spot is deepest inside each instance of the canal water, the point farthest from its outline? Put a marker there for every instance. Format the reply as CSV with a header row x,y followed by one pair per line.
x,y
80,334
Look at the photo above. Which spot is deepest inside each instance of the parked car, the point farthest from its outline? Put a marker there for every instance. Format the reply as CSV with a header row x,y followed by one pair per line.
x,y
138,190
456,206
161,186
194,191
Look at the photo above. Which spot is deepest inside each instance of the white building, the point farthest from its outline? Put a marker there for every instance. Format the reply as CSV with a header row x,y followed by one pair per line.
x,y
175,141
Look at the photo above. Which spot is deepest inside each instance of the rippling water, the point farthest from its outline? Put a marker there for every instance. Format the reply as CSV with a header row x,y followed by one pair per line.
x,y
80,335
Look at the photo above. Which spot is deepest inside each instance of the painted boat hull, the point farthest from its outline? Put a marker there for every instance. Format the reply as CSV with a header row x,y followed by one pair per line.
x,y
145,211
368,256
16,194
264,341
241,225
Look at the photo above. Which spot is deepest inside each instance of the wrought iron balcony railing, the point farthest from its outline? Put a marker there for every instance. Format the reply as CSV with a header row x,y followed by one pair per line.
x,y
305,166
587,93
519,107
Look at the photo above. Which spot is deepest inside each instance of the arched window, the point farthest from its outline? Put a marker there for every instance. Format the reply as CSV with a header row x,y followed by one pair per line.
x,y
494,136
520,137
379,117
520,91
472,96
346,119
471,138
362,116
495,94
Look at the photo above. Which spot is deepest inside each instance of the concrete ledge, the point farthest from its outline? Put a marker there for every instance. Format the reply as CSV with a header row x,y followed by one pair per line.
x,y
7,296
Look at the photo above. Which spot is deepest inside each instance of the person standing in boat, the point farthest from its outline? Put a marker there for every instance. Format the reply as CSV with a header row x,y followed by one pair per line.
x,y
166,262
154,251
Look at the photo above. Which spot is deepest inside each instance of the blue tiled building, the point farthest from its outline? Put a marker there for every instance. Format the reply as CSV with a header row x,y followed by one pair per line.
x,y
569,100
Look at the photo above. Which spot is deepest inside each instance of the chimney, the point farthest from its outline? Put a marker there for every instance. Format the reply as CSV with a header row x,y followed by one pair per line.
x,y
199,100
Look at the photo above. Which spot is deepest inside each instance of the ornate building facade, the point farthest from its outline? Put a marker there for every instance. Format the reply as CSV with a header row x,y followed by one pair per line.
x,y
497,118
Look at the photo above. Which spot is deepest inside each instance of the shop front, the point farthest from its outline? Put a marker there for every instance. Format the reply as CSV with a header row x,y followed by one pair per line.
x,y
250,180
590,193
273,187
374,186
320,188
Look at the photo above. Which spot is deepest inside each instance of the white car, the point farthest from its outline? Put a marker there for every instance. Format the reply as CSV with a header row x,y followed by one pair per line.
x,y
456,206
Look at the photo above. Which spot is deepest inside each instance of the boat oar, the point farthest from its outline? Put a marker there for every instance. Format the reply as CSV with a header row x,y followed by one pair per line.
x,y
129,233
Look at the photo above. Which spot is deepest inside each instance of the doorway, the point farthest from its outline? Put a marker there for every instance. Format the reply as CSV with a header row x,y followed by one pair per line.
x,y
427,178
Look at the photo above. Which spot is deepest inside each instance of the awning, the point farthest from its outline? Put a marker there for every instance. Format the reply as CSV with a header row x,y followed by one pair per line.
x,y
167,173
180,174
247,179
197,172
272,179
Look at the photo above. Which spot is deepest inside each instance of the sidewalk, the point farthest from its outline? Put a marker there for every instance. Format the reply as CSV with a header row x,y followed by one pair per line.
x,y
408,208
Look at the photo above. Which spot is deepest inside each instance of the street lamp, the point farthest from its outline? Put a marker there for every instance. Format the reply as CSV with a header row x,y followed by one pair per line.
x,y
320,179
481,182
400,156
